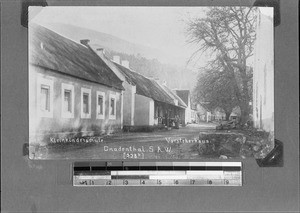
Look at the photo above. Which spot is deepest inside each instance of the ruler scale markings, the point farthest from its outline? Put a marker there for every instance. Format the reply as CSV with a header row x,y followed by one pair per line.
x,y
130,177
239,164
95,177
148,168
128,165
181,166
144,172
168,177
192,164
231,168
164,166
212,164
104,172
117,173
114,165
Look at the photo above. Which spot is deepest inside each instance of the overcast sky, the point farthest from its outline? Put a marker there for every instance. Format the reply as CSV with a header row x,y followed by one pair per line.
x,y
161,28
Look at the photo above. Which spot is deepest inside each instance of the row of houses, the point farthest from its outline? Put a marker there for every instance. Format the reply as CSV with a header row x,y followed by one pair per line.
x,y
201,113
75,87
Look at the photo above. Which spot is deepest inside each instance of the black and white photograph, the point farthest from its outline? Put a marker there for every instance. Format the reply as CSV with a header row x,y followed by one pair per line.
x,y
149,106
157,83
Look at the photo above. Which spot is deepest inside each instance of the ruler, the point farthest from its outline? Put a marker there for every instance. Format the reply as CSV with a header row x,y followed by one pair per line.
x,y
122,173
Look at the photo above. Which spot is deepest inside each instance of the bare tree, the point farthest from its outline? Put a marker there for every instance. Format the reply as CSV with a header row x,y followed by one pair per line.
x,y
228,33
215,88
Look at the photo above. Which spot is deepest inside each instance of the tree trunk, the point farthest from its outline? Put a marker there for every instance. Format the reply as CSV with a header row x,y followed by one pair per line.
x,y
227,115
245,110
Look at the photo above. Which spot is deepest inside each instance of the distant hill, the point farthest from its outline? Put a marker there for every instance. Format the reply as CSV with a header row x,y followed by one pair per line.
x,y
175,77
142,59
107,41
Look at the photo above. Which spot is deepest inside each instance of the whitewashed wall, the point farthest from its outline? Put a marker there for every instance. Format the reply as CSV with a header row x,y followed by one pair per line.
x,y
263,72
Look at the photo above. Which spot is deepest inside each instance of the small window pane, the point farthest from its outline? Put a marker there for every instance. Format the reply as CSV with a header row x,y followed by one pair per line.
x,y
67,101
100,105
112,106
86,103
45,97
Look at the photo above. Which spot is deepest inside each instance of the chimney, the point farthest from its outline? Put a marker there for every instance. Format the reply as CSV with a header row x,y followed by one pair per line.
x,y
164,83
125,63
116,59
85,42
100,51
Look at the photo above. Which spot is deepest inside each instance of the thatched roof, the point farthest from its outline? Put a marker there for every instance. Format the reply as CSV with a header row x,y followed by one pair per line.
x,y
184,95
175,96
54,52
146,86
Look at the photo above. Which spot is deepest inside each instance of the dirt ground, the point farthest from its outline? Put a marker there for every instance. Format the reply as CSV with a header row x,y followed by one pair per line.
x,y
183,143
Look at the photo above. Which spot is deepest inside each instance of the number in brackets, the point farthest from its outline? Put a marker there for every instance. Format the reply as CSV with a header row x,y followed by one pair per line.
x,y
125,182
108,182
226,181
192,181
176,182
143,182
209,182
159,182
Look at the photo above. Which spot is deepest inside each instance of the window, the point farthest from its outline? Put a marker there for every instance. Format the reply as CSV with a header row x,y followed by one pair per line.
x,y
85,103
45,97
68,101
112,106
67,91
100,105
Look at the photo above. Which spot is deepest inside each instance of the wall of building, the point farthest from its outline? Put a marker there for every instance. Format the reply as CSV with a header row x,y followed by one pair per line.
x,y
151,112
193,116
181,114
263,72
144,111
188,111
128,104
159,112
40,126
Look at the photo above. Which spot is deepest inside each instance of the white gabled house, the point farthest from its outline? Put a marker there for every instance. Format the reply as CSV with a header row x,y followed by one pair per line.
x,y
71,90
145,101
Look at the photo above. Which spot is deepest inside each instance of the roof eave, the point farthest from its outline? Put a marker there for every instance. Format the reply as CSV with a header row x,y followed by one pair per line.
x,y
63,73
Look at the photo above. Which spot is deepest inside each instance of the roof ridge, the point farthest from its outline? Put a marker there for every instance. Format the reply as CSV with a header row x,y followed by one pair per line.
x,y
76,42
66,56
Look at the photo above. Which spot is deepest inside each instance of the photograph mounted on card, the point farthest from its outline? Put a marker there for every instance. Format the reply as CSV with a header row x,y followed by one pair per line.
x,y
150,82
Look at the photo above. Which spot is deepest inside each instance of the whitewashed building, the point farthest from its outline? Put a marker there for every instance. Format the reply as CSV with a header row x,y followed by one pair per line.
x,y
145,101
71,90
263,72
